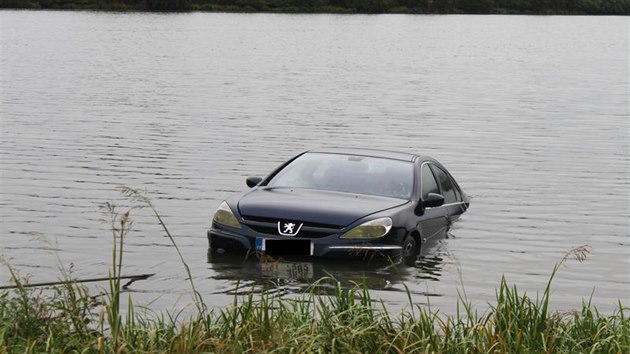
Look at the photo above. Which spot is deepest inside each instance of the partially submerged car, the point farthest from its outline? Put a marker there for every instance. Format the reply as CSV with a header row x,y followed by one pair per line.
x,y
342,203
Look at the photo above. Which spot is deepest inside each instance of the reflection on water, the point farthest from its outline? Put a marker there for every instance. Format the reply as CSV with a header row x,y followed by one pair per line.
x,y
299,275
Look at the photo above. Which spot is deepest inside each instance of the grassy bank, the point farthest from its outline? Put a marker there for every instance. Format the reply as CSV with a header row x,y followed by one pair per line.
x,y
326,319
348,321
539,7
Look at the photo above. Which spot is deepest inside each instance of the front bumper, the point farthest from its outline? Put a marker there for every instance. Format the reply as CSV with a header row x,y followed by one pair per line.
x,y
329,247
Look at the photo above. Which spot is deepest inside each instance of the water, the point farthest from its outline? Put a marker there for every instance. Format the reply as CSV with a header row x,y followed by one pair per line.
x,y
530,114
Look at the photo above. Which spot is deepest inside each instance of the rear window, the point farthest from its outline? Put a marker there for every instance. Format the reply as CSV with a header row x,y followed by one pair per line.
x,y
348,173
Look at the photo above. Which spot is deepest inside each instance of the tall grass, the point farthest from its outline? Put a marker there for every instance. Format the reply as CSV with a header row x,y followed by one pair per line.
x,y
66,318
143,200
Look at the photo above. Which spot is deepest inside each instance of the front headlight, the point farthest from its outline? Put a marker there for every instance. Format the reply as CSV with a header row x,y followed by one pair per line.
x,y
371,229
225,216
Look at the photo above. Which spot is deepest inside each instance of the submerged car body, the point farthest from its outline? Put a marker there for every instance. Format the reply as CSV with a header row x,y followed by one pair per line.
x,y
342,203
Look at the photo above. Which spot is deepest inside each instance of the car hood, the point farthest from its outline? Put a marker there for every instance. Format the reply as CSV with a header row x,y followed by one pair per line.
x,y
315,206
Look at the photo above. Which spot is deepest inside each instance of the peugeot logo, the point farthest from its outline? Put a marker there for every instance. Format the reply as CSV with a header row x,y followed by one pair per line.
x,y
288,228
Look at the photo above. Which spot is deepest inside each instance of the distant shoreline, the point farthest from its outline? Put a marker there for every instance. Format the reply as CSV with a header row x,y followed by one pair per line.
x,y
428,7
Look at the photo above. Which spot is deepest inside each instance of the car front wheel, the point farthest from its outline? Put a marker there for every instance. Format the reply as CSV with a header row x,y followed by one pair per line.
x,y
410,250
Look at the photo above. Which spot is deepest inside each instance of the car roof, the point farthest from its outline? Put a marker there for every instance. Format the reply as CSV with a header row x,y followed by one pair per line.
x,y
394,155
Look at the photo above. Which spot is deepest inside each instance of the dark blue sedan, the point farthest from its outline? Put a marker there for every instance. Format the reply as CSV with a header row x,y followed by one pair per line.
x,y
342,203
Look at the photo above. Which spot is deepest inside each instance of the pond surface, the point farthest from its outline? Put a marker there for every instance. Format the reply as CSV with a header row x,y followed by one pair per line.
x,y
530,114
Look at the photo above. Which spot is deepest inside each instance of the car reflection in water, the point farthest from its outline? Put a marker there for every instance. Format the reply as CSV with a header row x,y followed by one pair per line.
x,y
247,271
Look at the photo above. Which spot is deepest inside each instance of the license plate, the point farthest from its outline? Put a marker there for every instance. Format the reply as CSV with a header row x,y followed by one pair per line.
x,y
284,247
285,270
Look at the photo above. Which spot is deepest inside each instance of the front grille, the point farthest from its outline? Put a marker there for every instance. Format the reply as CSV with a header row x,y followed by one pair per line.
x,y
275,222
268,226
304,232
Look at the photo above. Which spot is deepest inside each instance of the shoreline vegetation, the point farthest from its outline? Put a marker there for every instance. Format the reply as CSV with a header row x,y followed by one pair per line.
x,y
328,318
513,7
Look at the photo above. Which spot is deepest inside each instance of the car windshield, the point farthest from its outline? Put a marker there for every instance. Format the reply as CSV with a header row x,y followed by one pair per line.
x,y
348,173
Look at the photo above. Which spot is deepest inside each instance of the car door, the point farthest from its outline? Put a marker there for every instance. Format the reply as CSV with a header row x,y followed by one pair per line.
x,y
433,224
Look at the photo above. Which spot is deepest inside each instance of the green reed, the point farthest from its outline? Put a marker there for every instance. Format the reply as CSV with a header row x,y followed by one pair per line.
x,y
327,318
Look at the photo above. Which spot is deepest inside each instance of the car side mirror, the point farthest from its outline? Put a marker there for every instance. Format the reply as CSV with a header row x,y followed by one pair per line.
x,y
253,181
433,200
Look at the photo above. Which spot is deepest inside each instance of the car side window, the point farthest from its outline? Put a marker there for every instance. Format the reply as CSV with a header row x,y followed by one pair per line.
x,y
428,182
446,185
458,194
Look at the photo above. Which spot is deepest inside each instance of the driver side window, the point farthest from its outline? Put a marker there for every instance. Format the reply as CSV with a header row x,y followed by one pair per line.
x,y
429,185
445,183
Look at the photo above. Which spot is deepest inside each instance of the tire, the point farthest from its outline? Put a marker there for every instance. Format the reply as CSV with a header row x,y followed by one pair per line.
x,y
410,250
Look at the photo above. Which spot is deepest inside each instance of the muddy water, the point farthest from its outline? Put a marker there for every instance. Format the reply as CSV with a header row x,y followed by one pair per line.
x,y
530,114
